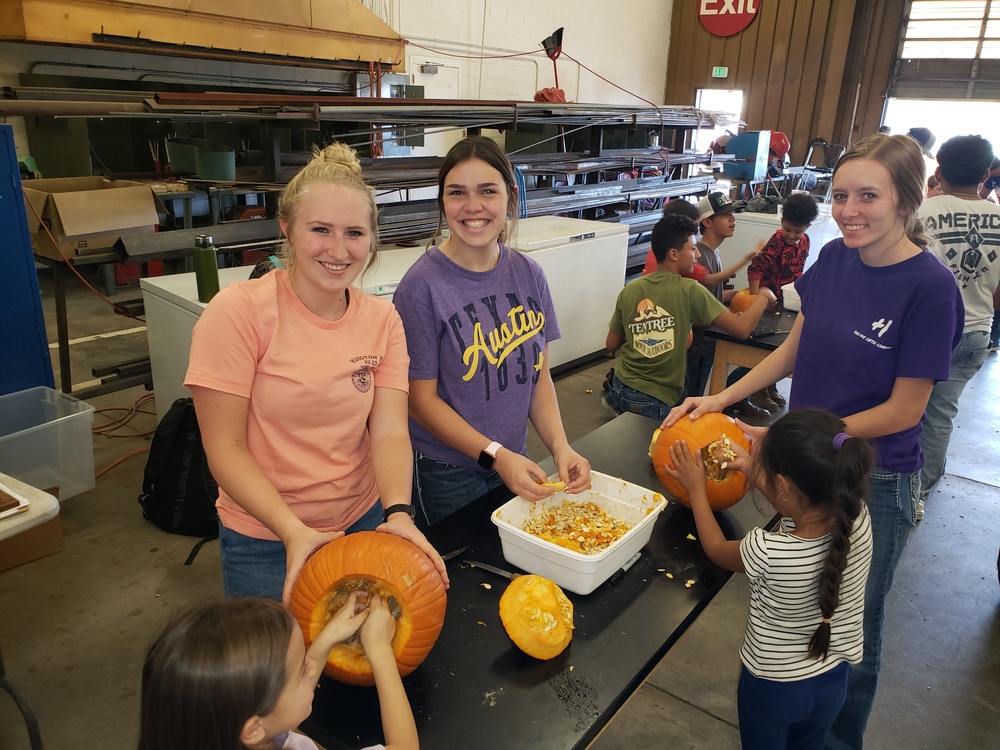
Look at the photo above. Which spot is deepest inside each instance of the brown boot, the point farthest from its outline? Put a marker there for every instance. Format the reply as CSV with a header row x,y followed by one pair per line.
x,y
772,393
746,410
761,401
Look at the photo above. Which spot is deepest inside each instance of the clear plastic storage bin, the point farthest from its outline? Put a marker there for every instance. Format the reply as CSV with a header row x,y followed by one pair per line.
x,y
575,571
46,441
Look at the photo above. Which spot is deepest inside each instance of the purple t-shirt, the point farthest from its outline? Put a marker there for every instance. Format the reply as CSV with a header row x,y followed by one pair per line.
x,y
482,336
863,327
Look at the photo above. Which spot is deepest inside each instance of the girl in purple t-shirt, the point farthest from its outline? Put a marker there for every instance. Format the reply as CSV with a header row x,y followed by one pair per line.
x,y
478,317
880,317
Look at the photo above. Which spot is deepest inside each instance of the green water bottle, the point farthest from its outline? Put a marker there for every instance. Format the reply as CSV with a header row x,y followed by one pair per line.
x,y
206,268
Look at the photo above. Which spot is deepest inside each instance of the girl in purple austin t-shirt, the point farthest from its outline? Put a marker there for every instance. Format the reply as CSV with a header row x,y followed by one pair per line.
x,y
880,317
478,317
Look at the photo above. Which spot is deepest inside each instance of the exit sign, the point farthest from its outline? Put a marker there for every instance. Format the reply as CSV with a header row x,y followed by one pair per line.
x,y
720,72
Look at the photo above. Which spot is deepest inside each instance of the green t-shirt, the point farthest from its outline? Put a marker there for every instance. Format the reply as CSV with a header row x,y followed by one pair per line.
x,y
655,313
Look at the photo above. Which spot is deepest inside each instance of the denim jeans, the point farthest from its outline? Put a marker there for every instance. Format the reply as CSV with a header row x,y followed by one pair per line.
x,y
967,359
793,714
892,502
439,489
256,567
699,367
623,398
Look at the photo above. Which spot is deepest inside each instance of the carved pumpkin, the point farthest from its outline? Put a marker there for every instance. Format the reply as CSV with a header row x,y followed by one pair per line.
x,y
391,567
706,438
537,616
741,301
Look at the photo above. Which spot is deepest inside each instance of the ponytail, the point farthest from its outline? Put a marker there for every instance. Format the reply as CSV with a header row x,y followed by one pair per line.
x,y
831,469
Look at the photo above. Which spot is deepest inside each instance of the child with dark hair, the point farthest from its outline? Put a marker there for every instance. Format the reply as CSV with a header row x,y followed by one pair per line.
x,y
236,674
807,577
652,322
780,262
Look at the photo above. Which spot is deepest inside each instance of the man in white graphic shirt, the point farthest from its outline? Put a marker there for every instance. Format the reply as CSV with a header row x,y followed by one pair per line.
x,y
967,230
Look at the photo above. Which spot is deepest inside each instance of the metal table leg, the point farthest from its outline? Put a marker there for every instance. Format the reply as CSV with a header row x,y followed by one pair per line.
x,y
30,720
62,327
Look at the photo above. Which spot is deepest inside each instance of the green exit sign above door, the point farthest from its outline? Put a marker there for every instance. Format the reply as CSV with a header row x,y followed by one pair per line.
x,y
720,72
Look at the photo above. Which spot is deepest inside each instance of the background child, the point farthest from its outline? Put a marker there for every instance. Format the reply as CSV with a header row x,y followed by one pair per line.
x,y
652,318
781,262
807,578
236,674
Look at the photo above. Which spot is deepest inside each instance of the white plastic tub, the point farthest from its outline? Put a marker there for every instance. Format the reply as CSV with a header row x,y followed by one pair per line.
x,y
576,571
46,440
790,299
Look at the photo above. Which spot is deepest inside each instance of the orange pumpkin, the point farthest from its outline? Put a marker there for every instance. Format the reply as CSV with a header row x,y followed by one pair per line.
x,y
391,567
537,616
741,301
706,438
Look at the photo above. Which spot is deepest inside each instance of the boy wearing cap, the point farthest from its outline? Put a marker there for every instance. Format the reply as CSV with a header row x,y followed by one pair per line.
x,y
925,139
652,318
717,223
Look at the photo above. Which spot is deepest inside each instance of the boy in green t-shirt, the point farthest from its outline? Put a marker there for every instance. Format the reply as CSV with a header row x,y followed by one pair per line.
x,y
652,323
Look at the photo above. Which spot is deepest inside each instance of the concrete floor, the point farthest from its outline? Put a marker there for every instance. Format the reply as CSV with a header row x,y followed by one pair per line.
x,y
74,626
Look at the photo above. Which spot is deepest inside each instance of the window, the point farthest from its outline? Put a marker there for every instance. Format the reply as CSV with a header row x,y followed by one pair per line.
x,y
954,29
729,101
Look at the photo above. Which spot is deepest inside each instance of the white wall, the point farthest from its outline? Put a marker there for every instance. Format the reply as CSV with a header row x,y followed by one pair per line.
x,y
624,42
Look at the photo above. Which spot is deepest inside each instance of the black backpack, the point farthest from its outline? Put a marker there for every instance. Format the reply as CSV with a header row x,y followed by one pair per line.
x,y
178,491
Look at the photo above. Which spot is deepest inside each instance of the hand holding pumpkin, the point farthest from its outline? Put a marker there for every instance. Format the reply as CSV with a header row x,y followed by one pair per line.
x,y
694,407
298,548
402,526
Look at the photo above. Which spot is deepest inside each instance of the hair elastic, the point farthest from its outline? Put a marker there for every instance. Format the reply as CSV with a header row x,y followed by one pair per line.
x,y
829,620
838,440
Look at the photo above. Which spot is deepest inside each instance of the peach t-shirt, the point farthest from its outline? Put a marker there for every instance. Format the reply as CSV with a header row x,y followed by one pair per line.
x,y
311,385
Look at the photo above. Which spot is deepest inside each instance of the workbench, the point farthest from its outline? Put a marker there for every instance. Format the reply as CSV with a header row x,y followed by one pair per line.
x,y
750,351
476,689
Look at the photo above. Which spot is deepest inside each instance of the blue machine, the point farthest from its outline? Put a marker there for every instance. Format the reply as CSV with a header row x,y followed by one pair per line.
x,y
751,151
24,349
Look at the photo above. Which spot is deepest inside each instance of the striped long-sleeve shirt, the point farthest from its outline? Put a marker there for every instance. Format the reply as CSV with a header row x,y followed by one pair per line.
x,y
784,573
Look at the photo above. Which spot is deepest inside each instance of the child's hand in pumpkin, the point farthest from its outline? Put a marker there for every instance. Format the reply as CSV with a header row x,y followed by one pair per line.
x,y
688,470
344,623
379,629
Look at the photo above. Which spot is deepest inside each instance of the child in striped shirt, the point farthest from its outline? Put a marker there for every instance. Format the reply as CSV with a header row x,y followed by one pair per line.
x,y
807,576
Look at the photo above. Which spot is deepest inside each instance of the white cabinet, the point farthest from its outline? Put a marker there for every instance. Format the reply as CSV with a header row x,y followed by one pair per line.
x,y
172,309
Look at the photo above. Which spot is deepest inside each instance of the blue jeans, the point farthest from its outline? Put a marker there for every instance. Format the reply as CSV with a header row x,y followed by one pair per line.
x,y
439,489
699,367
778,715
967,359
623,398
892,502
256,567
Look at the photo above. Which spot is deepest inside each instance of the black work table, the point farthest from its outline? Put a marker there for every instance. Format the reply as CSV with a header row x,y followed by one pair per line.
x,y
770,333
476,689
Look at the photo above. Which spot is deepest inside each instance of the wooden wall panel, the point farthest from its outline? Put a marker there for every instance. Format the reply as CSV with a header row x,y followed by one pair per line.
x,y
799,64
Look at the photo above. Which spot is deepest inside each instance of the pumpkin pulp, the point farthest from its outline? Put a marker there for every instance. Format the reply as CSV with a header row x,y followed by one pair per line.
x,y
350,654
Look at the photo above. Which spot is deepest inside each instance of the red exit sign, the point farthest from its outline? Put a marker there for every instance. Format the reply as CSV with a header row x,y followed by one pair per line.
x,y
727,17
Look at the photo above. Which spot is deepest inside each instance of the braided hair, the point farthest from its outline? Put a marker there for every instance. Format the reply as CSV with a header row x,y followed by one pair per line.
x,y
833,476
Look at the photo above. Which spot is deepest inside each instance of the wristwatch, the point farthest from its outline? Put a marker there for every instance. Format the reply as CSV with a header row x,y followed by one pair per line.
x,y
488,456
406,508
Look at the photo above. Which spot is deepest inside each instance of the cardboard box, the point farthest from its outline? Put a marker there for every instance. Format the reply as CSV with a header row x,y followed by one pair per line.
x,y
33,534
87,215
